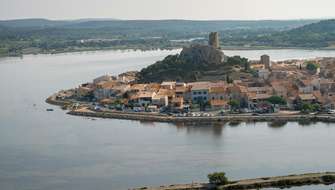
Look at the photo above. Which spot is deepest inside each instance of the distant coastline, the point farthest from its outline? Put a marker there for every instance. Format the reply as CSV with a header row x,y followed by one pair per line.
x,y
232,48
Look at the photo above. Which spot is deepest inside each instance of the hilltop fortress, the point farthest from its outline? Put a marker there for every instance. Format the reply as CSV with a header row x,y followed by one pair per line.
x,y
194,63
204,54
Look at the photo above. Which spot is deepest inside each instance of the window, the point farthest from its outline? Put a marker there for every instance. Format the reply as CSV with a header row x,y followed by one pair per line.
x,y
205,92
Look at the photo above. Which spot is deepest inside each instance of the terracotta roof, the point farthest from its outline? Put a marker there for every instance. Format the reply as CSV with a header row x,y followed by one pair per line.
x,y
319,96
218,102
158,96
200,85
181,89
255,89
107,84
168,83
217,89
255,96
166,92
138,87
145,94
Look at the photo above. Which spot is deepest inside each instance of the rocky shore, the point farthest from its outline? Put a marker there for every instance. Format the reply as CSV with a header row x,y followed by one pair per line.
x,y
326,178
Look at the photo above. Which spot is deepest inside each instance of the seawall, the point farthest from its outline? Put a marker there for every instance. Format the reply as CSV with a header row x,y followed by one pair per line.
x,y
155,117
227,118
326,178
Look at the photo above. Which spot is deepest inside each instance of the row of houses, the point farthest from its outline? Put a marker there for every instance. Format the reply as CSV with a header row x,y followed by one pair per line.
x,y
289,80
216,95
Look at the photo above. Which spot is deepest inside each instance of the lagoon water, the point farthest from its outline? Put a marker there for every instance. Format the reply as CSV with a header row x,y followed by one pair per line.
x,y
53,150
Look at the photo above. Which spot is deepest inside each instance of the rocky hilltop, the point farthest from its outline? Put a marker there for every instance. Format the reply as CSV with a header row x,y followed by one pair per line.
x,y
196,63
202,54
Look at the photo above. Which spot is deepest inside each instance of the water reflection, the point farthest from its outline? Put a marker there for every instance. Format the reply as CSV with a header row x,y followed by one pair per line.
x,y
234,123
307,122
277,124
214,128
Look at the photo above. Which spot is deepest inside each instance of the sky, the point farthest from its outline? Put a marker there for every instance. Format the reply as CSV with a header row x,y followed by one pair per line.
x,y
168,9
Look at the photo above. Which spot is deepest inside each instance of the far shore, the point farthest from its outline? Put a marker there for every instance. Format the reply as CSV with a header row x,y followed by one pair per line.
x,y
157,49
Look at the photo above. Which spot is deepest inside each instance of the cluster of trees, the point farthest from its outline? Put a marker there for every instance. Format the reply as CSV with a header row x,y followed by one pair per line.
x,y
175,68
218,178
312,67
308,108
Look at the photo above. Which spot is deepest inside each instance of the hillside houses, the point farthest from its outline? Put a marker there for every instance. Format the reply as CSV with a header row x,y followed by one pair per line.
x,y
288,80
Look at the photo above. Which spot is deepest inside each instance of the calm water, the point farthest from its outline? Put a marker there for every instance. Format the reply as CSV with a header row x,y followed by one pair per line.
x,y
52,150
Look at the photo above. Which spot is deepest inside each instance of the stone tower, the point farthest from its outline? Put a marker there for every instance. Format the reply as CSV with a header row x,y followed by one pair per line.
x,y
214,40
265,60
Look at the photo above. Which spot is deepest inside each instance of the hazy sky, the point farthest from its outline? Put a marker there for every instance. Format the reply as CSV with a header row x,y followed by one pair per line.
x,y
167,9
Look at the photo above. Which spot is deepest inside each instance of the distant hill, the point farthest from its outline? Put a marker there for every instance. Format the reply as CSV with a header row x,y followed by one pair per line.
x,y
315,35
45,23
179,25
31,23
52,36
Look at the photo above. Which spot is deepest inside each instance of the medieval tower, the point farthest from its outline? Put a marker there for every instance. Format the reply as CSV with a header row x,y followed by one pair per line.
x,y
214,40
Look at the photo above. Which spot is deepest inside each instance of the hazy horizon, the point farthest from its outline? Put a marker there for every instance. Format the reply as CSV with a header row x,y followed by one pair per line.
x,y
120,19
167,10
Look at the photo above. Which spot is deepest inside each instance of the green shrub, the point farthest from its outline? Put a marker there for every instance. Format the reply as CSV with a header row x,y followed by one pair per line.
x,y
328,178
218,178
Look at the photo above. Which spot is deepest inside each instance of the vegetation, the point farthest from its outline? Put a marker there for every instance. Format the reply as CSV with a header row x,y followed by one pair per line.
x,y
45,36
218,178
174,68
277,100
308,107
328,178
234,104
312,67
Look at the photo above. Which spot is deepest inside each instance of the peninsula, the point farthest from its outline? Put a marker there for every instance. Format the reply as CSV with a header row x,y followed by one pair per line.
x,y
203,84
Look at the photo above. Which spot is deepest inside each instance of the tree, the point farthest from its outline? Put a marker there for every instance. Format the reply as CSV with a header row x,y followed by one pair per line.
x,y
277,100
229,80
246,66
218,178
307,107
234,104
311,67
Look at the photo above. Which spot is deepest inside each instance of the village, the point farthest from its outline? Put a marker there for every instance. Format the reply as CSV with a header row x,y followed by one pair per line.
x,y
304,86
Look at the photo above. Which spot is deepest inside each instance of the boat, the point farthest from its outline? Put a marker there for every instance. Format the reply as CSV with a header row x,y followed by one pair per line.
x,y
49,109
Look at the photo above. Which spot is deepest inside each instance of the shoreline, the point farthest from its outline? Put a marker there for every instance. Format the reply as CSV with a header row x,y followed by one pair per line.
x,y
228,48
326,178
156,117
